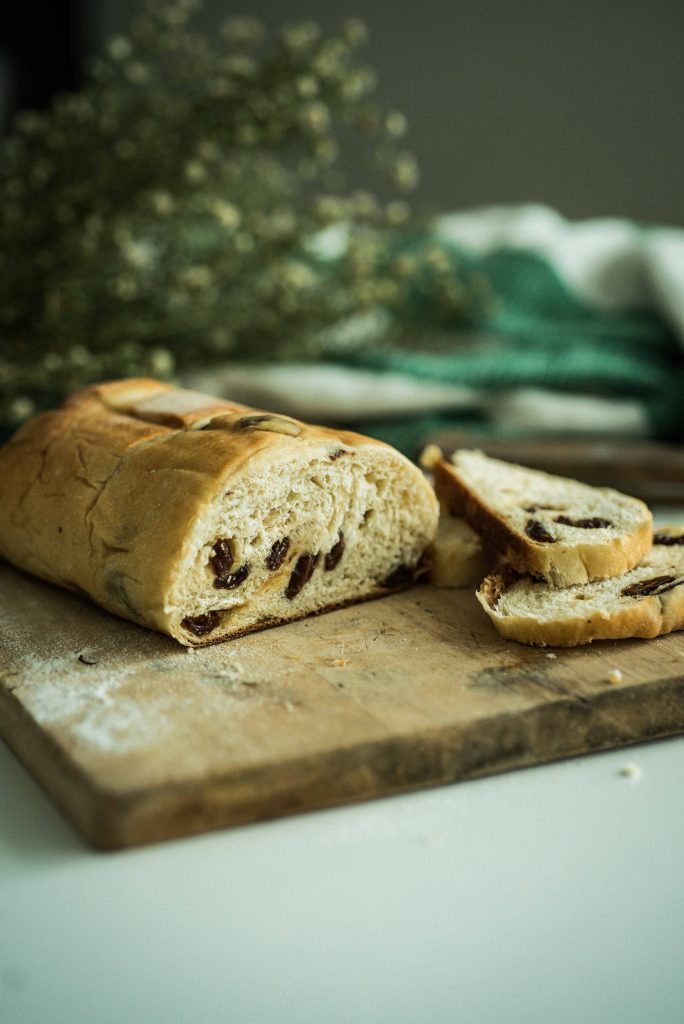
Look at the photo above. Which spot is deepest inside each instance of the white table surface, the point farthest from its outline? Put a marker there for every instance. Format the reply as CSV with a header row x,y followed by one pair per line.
x,y
543,896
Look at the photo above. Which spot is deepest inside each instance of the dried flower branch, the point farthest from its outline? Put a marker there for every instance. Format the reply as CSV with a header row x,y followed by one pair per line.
x,y
174,212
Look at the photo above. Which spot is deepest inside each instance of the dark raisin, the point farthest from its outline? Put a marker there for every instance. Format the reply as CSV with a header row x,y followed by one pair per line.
x,y
595,523
338,454
540,508
301,574
537,531
232,580
399,577
222,559
668,540
276,555
332,559
657,585
200,625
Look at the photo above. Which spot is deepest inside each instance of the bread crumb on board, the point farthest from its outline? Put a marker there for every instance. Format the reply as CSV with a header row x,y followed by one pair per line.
x,y
615,677
550,654
631,771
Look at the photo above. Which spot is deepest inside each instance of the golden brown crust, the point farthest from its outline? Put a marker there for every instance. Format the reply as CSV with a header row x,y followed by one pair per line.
x,y
496,584
86,487
561,564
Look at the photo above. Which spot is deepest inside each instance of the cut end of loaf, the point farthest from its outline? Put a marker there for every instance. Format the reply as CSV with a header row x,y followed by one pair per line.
x,y
295,537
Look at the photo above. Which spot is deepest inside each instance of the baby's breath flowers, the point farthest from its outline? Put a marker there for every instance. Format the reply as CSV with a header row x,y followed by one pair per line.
x,y
167,215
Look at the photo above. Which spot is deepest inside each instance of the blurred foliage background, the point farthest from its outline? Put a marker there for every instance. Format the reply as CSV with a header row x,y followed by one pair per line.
x,y
192,203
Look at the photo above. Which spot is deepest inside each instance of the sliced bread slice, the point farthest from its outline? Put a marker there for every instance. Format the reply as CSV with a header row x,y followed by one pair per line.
x,y
561,530
645,602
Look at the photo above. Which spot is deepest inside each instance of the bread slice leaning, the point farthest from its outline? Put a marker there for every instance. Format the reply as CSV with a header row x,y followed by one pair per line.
x,y
205,519
647,601
560,530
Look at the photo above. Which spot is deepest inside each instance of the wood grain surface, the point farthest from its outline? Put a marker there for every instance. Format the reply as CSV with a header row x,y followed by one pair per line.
x,y
139,741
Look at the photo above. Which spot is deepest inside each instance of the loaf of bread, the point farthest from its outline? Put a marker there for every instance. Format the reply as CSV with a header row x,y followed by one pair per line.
x,y
557,529
644,602
204,519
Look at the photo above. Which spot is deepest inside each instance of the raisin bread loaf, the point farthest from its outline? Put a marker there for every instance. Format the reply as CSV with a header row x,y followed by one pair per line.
x,y
560,530
204,519
644,602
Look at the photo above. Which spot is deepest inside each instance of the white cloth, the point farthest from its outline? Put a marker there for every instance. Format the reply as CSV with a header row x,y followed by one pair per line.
x,y
609,263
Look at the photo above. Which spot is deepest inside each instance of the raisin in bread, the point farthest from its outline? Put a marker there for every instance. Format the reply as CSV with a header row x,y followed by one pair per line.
x,y
560,530
644,602
204,519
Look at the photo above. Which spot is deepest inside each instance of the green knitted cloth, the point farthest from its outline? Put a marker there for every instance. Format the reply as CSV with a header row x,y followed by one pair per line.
x,y
542,331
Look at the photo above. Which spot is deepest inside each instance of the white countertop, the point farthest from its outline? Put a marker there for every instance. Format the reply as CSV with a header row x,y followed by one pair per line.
x,y
553,895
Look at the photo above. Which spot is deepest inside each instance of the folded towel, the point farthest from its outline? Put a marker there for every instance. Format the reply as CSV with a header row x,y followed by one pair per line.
x,y
585,332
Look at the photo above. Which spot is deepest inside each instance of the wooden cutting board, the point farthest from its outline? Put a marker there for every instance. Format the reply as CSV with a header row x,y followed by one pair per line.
x,y
138,740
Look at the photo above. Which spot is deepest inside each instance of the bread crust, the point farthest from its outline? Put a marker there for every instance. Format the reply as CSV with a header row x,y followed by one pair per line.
x,y
560,563
100,495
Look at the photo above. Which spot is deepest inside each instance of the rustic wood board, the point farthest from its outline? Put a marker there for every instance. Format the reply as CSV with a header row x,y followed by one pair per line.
x,y
138,740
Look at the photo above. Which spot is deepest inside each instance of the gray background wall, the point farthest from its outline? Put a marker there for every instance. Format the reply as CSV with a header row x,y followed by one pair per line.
x,y
578,105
